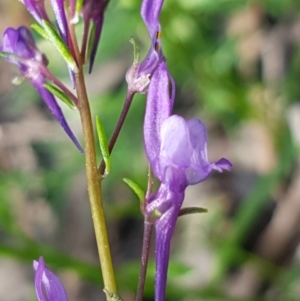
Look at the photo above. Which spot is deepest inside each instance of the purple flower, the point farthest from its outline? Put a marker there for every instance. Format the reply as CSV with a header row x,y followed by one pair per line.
x,y
33,65
180,160
138,76
48,287
37,9
177,152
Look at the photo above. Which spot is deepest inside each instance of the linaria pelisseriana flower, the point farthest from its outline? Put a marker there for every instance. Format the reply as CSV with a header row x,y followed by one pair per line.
x,y
37,9
138,76
177,153
48,287
33,64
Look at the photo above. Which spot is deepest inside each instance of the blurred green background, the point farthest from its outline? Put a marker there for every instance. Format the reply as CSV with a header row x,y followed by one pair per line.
x,y
236,65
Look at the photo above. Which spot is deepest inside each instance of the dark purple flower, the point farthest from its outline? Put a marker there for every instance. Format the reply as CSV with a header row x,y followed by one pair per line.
x,y
32,64
177,152
138,76
93,11
48,287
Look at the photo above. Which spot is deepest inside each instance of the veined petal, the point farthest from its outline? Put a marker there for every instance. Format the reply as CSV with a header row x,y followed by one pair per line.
x,y
19,42
158,108
51,103
47,285
176,149
9,40
183,156
200,167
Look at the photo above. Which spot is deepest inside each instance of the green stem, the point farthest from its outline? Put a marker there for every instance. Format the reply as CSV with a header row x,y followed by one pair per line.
x,y
94,185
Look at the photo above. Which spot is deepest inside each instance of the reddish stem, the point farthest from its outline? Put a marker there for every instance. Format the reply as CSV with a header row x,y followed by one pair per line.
x,y
113,139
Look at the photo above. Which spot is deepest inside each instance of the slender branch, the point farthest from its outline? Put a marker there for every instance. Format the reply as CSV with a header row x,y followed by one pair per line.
x,y
113,139
148,226
94,185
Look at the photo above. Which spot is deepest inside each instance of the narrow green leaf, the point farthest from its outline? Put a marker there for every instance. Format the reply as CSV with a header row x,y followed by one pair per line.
x,y
60,45
103,144
91,41
40,30
192,210
136,189
61,95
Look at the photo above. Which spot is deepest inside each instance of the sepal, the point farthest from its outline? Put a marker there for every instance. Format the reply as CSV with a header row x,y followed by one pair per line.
x,y
60,45
60,95
103,145
137,190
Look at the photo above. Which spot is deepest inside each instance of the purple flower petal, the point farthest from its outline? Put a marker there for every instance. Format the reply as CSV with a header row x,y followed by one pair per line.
x,y
18,42
168,203
52,104
47,285
150,11
164,229
176,149
37,9
158,108
61,20
184,148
